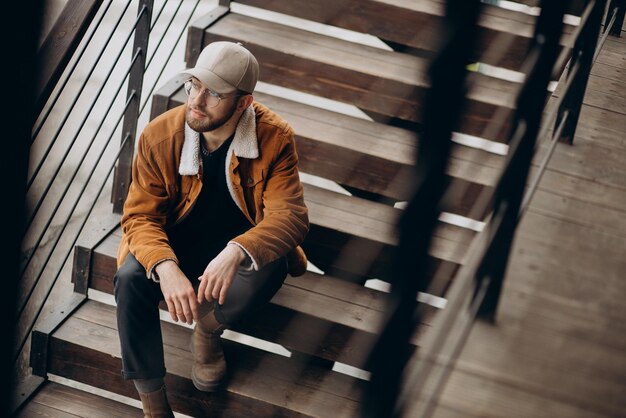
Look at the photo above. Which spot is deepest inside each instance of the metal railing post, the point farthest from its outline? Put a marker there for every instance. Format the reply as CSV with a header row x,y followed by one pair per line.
x,y
122,178
443,107
582,57
525,129
616,28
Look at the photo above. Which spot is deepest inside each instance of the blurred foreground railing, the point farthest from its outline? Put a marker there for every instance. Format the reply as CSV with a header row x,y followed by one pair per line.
x,y
476,290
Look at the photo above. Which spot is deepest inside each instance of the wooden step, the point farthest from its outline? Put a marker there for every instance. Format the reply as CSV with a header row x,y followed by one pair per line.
x,y
60,401
350,235
260,384
342,318
388,83
410,24
362,154
574,7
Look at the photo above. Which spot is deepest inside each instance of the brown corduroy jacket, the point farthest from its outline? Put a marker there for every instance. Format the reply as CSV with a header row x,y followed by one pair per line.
x,y
262,165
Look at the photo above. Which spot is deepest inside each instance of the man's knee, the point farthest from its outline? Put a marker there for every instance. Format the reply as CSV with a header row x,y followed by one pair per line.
x,y
129,278
250,291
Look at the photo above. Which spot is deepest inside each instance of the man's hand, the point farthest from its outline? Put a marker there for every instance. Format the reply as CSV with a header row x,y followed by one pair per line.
x,y
178,292
219,274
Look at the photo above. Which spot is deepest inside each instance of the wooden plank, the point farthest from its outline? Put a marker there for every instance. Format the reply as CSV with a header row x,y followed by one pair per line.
x,y
601,126
614,59
60,44
606,247
482,397
339,222
609,72
602,164
261,382
366,155
35,409
60,401
562,184
614,44
573,319
604,93
597,95
534,359
590,278
577,210
396,21
380,81
608,87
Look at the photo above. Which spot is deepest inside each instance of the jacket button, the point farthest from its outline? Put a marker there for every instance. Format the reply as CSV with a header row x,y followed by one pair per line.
x,y
249,181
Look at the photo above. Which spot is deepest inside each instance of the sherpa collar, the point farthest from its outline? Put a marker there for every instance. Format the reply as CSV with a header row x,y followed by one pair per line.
x,y
244,145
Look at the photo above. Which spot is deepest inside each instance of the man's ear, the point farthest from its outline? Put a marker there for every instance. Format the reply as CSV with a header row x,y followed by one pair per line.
x,y
245,101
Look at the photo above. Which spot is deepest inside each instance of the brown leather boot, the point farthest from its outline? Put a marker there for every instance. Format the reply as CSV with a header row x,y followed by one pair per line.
x,y
209,366
155,404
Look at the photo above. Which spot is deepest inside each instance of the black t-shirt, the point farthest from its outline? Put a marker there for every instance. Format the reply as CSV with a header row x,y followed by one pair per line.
x,y
214,219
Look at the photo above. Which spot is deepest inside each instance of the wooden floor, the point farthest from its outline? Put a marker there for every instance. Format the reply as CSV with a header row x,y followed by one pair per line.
x,y
60,401
558,348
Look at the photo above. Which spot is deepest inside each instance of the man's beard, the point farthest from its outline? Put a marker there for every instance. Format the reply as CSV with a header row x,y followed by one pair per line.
x,y
210,124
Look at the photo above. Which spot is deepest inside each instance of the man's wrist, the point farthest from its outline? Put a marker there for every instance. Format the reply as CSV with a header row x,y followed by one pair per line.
x,y
239,253
164,267
248,261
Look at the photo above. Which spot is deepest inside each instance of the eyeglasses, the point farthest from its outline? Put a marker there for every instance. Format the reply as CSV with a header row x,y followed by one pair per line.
x,y
211,98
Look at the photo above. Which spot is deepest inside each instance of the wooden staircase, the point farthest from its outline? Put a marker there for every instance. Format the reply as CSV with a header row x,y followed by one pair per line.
x,y
331,318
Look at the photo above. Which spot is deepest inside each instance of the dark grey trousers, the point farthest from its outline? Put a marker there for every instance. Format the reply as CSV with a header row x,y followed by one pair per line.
x,y
138,323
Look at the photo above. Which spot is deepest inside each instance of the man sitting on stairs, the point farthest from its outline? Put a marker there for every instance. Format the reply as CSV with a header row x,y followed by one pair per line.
x,y
212,222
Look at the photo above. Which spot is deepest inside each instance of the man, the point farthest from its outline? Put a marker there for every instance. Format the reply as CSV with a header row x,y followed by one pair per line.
x,y
212,222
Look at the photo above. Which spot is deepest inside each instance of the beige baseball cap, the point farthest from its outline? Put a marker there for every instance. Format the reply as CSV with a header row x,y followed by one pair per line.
x,y
225,67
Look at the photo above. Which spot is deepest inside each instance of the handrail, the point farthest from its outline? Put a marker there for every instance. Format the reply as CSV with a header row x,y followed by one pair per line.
x,y
35,277
60,200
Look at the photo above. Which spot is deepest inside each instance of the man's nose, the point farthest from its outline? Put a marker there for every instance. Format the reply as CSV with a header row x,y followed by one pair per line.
x,y
199,99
